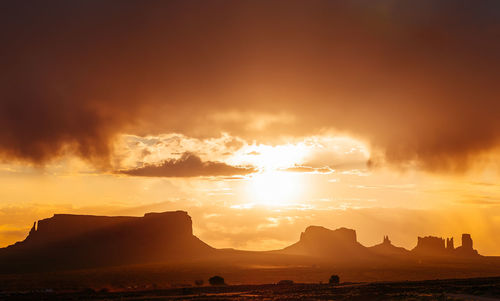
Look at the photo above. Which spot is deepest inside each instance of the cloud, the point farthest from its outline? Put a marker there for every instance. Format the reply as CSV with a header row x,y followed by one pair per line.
x,y
188,165
308,169
417,80
133,151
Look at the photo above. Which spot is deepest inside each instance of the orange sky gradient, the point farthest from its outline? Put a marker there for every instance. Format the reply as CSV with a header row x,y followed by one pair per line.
x,y
258,118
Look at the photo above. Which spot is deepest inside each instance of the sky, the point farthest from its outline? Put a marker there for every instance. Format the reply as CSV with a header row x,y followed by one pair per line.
x,y
259,118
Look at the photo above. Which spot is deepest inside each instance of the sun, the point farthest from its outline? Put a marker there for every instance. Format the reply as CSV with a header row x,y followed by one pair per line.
x,y
274,188
273,185
267,157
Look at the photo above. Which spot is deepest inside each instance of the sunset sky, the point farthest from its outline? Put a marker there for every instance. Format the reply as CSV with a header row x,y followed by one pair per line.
x,y
258,118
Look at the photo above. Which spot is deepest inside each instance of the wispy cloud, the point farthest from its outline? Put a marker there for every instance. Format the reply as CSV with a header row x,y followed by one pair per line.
x,y
188,165
313,170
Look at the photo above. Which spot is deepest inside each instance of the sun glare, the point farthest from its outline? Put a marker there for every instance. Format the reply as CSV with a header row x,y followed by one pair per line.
x,y
275,184
275,188
267,157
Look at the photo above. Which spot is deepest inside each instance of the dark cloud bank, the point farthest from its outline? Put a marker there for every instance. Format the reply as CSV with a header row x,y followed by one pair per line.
x,y
188,165
418,79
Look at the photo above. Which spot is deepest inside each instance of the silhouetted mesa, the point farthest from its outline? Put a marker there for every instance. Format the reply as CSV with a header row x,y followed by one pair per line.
x,y
466,248
67,241
435,246
430,245
339,245
75,241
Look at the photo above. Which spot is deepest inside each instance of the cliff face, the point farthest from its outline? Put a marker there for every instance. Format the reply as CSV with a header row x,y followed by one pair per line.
x,y
69,241
314,234
336,245
80,241
466,248
430,245
341,245
62,226
435,246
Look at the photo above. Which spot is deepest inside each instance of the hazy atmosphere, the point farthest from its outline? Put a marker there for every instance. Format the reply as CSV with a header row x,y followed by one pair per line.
x,y
259,118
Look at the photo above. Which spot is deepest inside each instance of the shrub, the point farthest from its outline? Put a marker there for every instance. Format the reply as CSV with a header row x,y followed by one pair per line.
x,y
334,279
216,280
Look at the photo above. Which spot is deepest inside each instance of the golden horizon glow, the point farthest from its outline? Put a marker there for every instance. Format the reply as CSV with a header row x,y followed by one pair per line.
x,y
275,188
321,180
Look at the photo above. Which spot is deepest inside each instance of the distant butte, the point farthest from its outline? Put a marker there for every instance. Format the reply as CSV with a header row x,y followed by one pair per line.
x,y
67,241
435,246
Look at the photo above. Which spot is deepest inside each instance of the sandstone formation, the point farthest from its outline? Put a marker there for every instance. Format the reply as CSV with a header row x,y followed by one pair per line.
x,y
466,249
388,249
78,241
67,241
340,244
435,246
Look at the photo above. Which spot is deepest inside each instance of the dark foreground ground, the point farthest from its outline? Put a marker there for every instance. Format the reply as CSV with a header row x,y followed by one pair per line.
x,y
481,289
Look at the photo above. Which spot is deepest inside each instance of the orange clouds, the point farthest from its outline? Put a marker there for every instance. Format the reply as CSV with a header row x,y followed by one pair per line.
x,y
417,80
188,165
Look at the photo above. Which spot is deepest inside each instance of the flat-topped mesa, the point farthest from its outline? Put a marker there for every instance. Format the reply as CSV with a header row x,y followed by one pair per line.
x,y
180,221
338,245
67,241
319,234
63,226
435,246
430,245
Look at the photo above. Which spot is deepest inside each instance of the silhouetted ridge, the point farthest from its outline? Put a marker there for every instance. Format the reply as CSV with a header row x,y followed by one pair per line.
x,y
435,246
73,241
386,248
339,245
430,245
67,241
63,226
466,248
341,235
